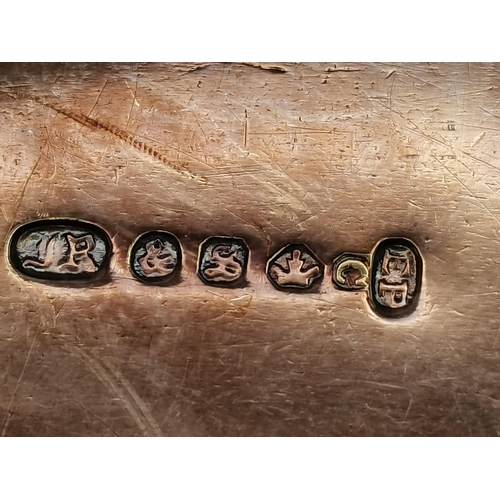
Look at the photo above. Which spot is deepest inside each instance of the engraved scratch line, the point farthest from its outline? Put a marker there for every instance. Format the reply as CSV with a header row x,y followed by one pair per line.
x,y
9,413
25,186
98,97
137,399
469,191
100,372
127,137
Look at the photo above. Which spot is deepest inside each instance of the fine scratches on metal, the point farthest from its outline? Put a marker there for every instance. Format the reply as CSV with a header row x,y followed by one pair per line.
x,y
119,387
126,137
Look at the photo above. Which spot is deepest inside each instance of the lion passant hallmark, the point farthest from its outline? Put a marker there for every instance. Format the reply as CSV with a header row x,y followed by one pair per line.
x,y
64,250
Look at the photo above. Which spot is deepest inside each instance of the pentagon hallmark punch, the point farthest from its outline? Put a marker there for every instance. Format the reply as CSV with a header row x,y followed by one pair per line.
x,y
391,275
59,250
295,268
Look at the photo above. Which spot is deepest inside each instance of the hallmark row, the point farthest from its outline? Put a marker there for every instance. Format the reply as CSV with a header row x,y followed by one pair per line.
x,y
70,250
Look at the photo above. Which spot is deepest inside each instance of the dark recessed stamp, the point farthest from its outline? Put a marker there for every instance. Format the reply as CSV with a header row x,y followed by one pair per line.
x,y
60,250
295,267
391,275
72,250
156,257
396,277
222,261
351,272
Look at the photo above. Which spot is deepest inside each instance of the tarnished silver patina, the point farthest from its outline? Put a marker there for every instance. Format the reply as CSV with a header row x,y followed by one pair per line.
x,y
59,250
222,261
155,257
391,274
335,155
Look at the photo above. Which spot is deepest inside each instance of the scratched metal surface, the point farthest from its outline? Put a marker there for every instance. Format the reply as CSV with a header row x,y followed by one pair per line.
x,y
333,156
